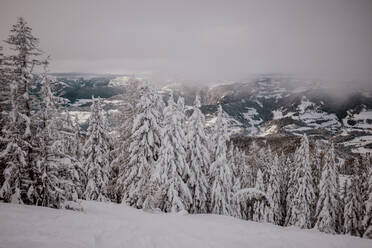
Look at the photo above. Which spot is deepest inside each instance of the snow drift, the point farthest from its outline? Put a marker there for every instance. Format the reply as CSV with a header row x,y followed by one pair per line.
x,y
112,225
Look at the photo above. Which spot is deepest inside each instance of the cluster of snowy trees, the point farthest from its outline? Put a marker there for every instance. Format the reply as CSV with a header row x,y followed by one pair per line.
x,y
162,157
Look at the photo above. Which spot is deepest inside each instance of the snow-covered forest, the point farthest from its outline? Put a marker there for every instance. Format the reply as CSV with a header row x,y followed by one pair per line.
x,y
162,157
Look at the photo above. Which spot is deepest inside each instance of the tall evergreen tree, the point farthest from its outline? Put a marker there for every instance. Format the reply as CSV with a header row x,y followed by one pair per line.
x,y
220,172
246,171
96,152
274,211
172,169
328,207
134,183
4,91
367,221
55,168
127,113
285,165
198,159
259,206
17,137
304,197
292,186
353,205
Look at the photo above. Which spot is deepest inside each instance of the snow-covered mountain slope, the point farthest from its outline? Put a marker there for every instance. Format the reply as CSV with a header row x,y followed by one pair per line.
x,y
266,105
111,225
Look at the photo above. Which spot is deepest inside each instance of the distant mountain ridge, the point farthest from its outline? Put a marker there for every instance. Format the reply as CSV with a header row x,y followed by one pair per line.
x,y
269,105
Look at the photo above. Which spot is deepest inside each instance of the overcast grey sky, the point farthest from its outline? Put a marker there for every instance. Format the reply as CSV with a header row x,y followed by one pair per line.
x,y
202,39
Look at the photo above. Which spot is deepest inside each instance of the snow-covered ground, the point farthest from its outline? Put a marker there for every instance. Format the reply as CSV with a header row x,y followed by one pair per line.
x,y
112,225
363,120
314,117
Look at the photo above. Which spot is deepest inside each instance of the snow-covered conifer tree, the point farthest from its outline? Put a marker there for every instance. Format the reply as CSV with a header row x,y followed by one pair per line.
x,y
78,153
17,134
274,212
367,221
96,152
134,183
220,172
267,158
53,163
127,113
259,206
328,207
317,162
246,172
4,93
172,169
304,197
353,210
198,160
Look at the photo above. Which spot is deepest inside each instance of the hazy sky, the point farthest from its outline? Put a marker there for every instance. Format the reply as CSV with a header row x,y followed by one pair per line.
x,y
202,39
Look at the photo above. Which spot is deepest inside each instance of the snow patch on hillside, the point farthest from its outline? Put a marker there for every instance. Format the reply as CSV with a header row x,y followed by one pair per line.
x,y
83,116
253,118
361,120
80,102
358,143
315,118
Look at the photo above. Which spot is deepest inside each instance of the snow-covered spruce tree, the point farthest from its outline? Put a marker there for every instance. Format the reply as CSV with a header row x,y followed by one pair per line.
x,y
304,197
134,183
353,210
4,107
259,206
198,159
232,160
267,158
4,92
220,172
127,113
367,221
17,137
172,170
317,163
255,161
274,212
78,148
247,176
237,165
292,186
239,168
245,185
72,142
53,163
96,152
284,171
14,156
328,206
363,174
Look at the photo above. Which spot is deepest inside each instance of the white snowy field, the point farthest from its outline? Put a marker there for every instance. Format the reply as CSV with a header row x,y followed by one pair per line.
x,y
112,225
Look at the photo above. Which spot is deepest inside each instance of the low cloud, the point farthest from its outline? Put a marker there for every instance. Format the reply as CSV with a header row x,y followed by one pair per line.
x,y
204,40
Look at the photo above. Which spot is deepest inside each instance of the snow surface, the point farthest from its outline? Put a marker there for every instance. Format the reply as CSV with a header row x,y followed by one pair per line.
x,y
315,118
114,225
82,115
362,119
253,119
80,102
358,143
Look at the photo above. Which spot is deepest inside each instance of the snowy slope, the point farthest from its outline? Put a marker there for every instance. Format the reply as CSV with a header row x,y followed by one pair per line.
x,y
111,225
